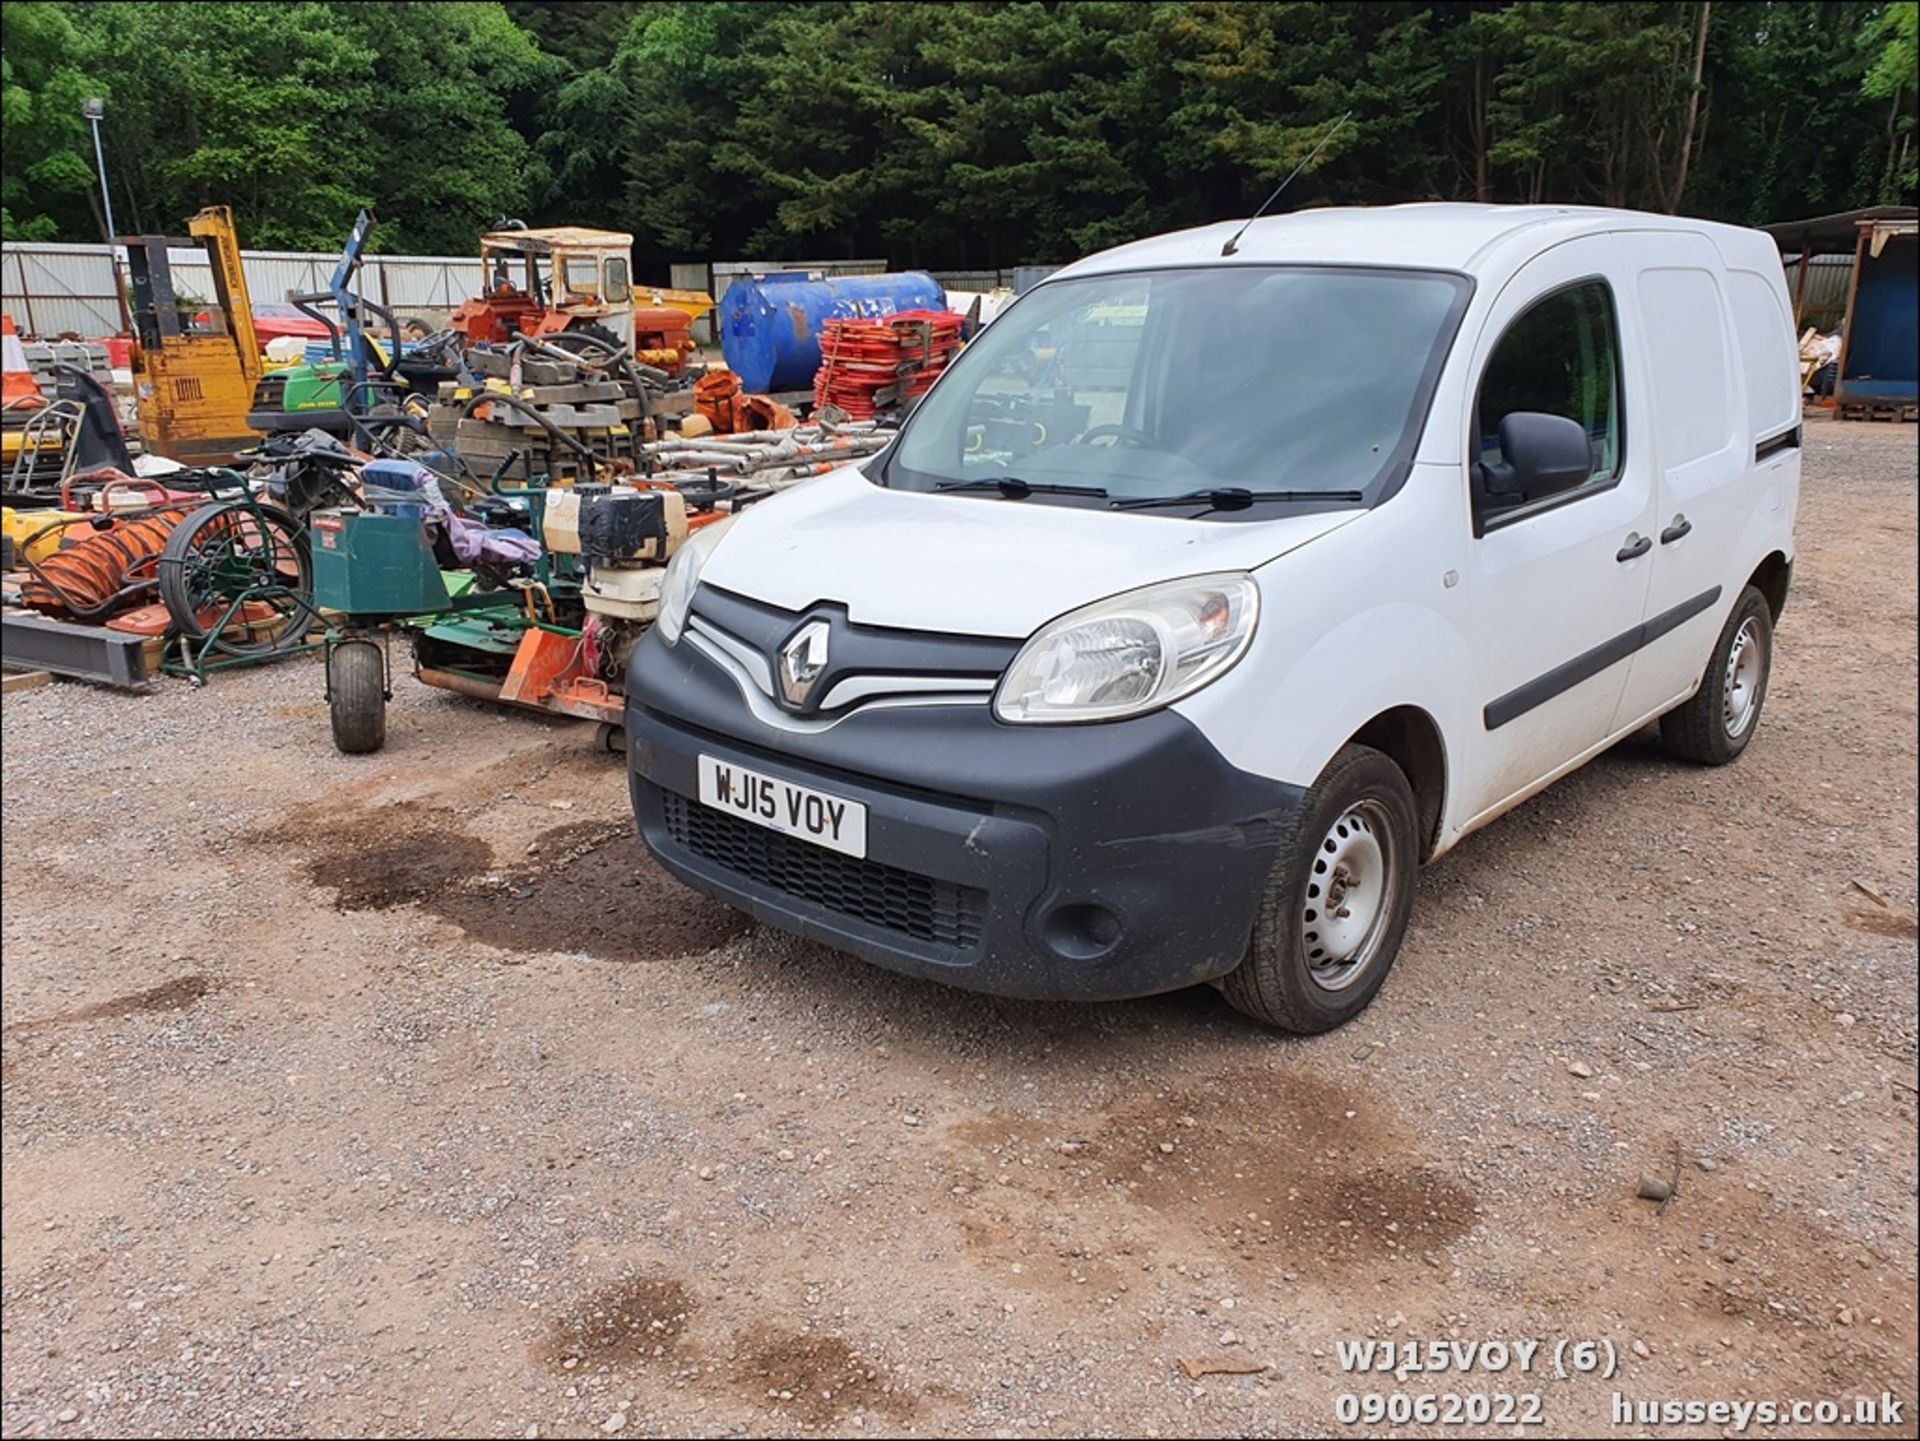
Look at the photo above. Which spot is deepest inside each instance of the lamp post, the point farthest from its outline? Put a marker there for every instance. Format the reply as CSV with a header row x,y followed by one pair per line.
x,y
93,109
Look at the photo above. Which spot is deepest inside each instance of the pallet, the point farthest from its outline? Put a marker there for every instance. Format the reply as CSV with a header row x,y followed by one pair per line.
x,y
494,363
1897,413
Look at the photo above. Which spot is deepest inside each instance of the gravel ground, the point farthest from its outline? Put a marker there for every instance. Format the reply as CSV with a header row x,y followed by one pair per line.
x,y
401,1094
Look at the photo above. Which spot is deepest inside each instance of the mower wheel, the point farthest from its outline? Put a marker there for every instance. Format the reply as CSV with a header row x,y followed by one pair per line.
x,y
357,696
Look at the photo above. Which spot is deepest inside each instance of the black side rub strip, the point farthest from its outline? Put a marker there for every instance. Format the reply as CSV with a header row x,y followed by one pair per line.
x,y
1774,444
1588,664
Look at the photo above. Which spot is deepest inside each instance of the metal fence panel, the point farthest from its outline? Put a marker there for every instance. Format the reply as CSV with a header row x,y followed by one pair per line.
x,y
50,290
59,289
695,276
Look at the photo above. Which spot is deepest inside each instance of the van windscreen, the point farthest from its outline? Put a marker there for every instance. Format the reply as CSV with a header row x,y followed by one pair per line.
x,y
1161,383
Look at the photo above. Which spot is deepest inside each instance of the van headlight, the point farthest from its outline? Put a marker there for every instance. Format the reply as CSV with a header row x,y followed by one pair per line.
x,y
1130,653
683,579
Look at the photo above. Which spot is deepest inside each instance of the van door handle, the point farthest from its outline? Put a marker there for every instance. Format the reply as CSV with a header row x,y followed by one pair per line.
x,y
1681,525
1637,545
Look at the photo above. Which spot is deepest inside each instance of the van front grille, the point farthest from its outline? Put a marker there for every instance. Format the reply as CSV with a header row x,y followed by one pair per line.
x,y
880,895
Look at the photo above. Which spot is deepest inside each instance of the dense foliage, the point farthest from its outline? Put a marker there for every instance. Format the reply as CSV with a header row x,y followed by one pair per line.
x,y
956,135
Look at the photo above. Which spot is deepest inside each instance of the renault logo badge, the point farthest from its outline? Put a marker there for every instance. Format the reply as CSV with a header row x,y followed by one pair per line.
x,y
802,659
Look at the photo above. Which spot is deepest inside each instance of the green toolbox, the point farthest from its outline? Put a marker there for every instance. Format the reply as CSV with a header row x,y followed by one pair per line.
x,y
370,564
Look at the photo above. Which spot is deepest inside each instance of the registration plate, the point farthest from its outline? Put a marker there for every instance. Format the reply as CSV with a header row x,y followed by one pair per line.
x,y
800,811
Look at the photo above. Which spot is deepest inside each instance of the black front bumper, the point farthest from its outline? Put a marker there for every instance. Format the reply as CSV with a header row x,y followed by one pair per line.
x,y
1060,862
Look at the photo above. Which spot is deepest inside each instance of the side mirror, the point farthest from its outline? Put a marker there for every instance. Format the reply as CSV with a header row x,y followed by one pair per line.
x,y
1540,455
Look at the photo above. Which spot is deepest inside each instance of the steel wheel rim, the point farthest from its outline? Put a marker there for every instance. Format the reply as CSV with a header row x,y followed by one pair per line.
x,y
224,553
1348,903
1746,673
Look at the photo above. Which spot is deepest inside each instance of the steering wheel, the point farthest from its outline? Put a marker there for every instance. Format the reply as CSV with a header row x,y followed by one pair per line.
x,y
1119,434
705,492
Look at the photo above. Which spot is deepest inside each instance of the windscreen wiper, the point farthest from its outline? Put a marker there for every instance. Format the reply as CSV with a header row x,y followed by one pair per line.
x,y
1231,497
1014,488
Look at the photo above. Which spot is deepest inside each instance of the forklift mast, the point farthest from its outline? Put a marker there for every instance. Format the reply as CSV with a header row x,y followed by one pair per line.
x,y
156,309
213,228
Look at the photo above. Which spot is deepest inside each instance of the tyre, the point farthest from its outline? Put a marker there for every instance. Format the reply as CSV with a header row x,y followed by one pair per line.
x,y
1336,901
593,330
357,696
1715,726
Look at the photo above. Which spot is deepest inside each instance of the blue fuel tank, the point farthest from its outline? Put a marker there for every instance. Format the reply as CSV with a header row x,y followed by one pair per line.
x,y
770,325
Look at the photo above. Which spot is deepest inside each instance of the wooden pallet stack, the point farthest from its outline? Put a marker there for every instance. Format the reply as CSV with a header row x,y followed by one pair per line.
x,y
601,413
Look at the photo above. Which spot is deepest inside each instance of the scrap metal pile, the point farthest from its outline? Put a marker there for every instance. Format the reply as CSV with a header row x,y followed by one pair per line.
x,y
868,366
558,408
758,462
510,517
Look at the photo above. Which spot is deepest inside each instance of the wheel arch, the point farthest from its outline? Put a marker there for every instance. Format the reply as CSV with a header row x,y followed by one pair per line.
x,y
1410,737
1773,577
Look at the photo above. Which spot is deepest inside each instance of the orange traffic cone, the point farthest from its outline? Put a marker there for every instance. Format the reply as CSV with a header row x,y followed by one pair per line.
x,y
21,392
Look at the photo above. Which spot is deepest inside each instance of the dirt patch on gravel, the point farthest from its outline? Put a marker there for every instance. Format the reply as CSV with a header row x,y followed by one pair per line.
x,y
586,886
396,862
619,1326
1271,1157
815,1379
592,887
174,995
1885,923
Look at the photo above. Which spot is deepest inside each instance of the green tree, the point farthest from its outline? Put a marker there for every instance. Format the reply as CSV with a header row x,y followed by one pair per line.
x,y
442,158
1789,130
48,189
1891,78
299,115
979,133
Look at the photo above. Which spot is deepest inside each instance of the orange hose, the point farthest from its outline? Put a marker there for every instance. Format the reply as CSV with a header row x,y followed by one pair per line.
x,y
84,578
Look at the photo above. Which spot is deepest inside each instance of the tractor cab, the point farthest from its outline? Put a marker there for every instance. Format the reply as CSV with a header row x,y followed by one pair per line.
x,y
539,282
569,278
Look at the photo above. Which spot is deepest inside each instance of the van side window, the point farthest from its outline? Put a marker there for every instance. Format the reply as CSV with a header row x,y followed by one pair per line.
x,y
1559,358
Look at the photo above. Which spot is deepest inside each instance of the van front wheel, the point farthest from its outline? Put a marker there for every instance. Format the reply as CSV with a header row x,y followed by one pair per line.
x,y
1336,901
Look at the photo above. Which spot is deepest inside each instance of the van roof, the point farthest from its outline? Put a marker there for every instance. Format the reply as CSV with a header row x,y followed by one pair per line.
x,y
1432,236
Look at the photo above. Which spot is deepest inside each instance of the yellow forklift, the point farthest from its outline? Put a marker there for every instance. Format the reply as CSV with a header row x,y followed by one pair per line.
x,y
193,383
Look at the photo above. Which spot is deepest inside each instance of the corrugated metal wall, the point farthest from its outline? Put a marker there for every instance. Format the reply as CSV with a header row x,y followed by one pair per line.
x,y
972,279
1828,277
56,289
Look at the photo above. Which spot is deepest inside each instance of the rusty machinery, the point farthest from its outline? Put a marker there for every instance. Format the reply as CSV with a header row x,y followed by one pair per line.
x,y
547,282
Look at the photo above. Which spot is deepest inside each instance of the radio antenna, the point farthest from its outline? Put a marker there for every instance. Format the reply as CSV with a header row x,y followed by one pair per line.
x,y
1234,244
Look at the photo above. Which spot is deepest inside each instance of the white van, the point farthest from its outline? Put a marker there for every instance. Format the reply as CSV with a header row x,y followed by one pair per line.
x,y
1206,595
